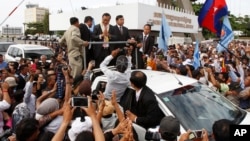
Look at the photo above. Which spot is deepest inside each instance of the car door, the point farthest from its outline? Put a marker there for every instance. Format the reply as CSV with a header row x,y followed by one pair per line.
x,y
19,54
9,55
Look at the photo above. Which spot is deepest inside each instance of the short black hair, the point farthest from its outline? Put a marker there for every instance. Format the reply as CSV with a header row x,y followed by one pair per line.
x,y
118,17
221,129
138,78
26,128
73,20
148,26
88,18
22,67
106,14
85,135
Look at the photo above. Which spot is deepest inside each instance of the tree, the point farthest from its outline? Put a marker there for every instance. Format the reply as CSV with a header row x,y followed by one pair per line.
x,y
46,24
34,28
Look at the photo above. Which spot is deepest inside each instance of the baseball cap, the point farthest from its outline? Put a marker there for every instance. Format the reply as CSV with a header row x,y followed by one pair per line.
x,y
108,109
121,63
171,125
11,81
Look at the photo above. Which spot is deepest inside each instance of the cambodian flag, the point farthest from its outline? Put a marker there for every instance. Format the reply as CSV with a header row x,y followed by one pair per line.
x,y
211,14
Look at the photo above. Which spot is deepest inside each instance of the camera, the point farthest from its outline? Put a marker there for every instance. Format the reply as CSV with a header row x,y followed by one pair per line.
x,y
60,67
94,95
4,136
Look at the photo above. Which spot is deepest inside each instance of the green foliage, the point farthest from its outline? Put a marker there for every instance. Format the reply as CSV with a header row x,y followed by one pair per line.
x,y
46,23
34,28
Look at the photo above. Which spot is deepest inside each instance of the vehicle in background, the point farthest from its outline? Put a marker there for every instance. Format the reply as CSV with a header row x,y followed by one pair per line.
x,y
28,51
4,47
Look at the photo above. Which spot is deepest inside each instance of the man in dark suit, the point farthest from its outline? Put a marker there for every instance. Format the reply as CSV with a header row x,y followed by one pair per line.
x,y
86,36
103,32
144,47
121,34
22,77
144,109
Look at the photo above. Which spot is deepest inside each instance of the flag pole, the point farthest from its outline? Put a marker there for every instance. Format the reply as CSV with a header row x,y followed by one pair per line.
x,y
230,52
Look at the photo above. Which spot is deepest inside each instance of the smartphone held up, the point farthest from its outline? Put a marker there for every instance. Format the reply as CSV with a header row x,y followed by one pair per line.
x,y
79,101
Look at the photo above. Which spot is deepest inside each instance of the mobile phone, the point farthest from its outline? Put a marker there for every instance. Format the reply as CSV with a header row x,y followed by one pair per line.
x,y
195,134
94,97
79,102
198,133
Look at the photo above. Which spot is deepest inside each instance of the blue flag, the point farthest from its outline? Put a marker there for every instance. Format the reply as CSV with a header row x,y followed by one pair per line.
x,y
164,34
227,35
196,56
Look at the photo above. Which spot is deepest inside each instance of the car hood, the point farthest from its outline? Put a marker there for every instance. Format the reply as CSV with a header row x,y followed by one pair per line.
x,y
246,119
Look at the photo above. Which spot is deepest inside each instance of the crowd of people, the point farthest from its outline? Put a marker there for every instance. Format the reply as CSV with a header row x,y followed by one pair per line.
x,y
36,95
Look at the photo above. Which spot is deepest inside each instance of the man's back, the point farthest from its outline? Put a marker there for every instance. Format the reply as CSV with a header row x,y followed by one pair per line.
x,y
146,109
73,41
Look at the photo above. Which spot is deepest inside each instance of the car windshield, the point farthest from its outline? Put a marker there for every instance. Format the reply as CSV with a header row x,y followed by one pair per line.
x,y
37,53
197,106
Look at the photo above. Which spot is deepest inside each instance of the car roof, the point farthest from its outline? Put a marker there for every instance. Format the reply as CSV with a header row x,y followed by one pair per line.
x,y
161,82
7,42
29,46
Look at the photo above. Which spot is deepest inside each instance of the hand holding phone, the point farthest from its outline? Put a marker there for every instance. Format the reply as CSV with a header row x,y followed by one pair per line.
x,y
79,102
194,134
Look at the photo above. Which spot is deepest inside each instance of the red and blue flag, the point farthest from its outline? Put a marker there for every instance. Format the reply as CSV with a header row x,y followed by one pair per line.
x,y
211,14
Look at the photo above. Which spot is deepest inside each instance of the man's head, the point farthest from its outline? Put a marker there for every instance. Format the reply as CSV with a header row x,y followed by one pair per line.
x,y
106,18
27,130
24,69
122,63
43,58
169,128
74,21
119,20
138,79
221,130
147,29
88,20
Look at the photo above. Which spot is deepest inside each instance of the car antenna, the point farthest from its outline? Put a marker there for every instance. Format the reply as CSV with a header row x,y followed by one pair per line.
x,y
179,82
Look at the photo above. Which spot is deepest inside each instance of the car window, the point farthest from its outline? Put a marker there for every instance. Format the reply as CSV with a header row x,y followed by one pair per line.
x,y
14,52
37,53
10,51
196,106
19,53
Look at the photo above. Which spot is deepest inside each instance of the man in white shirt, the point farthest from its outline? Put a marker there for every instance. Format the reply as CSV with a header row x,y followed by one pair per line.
x,y
117,80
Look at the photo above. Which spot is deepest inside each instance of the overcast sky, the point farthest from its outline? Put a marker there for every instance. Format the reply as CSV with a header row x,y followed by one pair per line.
x,y
237,7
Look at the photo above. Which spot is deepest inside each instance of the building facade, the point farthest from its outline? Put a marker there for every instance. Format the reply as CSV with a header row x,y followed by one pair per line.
x,y
11,31
180,20
34,13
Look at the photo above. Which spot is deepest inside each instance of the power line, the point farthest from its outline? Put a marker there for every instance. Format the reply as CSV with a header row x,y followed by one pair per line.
x,y
72,7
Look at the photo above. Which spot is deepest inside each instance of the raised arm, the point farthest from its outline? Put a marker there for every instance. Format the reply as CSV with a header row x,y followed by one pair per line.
x,y
97,131
119,113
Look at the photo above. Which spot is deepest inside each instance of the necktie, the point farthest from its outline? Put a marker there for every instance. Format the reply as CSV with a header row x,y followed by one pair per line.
x,y
105,38
121,29
144,42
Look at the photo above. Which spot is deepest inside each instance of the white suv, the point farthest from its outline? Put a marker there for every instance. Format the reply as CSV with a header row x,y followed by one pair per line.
x,y
18,51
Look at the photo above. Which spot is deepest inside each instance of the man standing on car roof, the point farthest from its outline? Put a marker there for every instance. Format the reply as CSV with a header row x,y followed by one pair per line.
x,y
72,38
